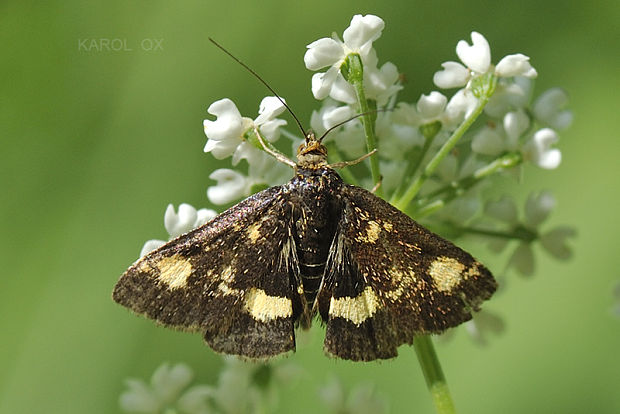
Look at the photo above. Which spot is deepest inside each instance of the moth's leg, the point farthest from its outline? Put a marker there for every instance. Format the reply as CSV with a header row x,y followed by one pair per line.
x,y
347,163
376,187
276,154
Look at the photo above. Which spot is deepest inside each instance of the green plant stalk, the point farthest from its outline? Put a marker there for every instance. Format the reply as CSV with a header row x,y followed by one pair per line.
x,y
517,233
429,203
355,76
433,374
412,167
432,165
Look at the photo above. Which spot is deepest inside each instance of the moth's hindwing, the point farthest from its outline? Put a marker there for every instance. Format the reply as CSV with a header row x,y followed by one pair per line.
x,y
388,279
225,279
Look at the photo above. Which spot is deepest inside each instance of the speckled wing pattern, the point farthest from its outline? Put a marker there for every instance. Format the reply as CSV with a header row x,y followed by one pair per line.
x,y
388,279
226,279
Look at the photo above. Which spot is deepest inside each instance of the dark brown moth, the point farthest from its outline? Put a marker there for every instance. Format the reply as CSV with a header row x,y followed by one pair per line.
x,y
313,246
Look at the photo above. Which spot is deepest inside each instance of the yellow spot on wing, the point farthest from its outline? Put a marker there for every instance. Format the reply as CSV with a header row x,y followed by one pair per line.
x,y
446,273
403,280
373,231
356,309
265,308
253,231
174,271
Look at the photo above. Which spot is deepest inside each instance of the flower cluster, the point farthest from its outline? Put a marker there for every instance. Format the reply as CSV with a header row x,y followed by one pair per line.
x,y
526,231
363,399
241,388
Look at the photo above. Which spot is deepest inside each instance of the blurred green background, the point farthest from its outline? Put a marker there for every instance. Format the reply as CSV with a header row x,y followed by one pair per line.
x,y
96,144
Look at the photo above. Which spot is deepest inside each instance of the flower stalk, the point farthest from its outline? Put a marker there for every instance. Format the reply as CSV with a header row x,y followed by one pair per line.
x,y
353,72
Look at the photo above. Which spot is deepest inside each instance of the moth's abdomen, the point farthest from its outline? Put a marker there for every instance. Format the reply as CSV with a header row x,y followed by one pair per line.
x,y
315,217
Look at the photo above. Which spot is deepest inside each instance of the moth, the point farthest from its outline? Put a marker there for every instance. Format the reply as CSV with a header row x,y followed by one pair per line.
x,y
315,246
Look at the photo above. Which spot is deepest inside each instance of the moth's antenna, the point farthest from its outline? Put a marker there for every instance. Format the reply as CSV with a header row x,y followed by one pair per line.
x,y
262,81
349,119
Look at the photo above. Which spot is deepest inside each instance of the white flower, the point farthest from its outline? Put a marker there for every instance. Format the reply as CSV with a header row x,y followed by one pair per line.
x,y
164,392
494,139
358,38
428,109
187,219
347,137
548,109
238,390
460,106
328,116
380,83
482,324
225,134
363,399
231,185
510,95
537,209
539,149
477,60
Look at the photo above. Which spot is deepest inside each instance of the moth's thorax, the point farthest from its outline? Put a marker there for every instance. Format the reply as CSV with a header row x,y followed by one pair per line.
x,y
315,218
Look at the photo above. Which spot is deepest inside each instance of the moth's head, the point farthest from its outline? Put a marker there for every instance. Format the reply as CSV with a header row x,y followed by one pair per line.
x,y
312,152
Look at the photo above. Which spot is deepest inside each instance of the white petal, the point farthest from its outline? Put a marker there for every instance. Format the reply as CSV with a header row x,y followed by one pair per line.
x,y
453,75
515,65
555,240
549,108
221,149
139,399
432,105
477,57
363,30
168,382
336,115
537,208
231,186
323,52
196,400
322,83
515,124
488,141
271,129
246,151
151,245
228,125
550,159
203,216
523,259
177,224
539,151
269,108
503,209
343,91
381,84
406,113
510,94
460,106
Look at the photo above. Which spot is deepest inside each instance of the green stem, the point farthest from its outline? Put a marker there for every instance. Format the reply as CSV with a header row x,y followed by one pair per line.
x,y
432,165
517,233
429,203
433,374
412,167
353,71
